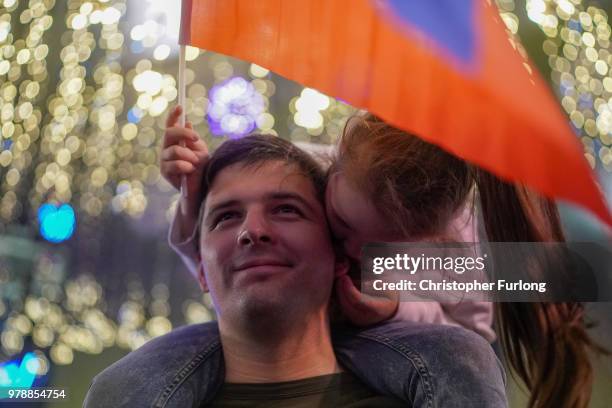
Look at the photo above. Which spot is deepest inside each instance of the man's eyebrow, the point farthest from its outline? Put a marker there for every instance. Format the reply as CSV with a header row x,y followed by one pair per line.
x,y
220,206
287,195
278,195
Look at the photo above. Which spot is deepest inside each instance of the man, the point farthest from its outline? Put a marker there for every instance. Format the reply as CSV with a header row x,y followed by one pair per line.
x,y
268,261
269,264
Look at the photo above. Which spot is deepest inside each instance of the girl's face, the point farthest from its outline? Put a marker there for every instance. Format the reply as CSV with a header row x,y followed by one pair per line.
x,y
353,217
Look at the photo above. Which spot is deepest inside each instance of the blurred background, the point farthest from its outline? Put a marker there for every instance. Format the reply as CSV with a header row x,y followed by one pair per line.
x,y
86,274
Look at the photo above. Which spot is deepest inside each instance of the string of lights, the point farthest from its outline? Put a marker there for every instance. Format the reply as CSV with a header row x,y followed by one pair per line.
x,y
23,64
579,55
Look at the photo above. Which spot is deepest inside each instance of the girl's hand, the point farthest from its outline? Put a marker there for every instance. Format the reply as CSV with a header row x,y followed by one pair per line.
x,y
184,154
362,309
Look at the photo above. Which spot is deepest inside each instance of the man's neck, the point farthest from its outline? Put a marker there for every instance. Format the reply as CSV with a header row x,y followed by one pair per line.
x,y
300,352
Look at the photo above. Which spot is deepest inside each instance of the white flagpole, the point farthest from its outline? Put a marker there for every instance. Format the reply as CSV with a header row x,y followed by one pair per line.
x,y
181,101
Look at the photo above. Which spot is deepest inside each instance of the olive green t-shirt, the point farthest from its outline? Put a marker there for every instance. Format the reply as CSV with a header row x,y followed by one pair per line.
x,y
341,390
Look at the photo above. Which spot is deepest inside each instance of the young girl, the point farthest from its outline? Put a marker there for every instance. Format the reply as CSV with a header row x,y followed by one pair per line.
x,y
387,185
414,190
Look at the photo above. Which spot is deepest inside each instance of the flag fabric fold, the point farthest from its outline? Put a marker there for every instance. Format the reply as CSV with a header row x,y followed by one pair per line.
x,y
446,71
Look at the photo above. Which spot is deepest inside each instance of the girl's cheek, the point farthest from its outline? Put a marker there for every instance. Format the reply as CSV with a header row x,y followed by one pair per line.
x,y
352,248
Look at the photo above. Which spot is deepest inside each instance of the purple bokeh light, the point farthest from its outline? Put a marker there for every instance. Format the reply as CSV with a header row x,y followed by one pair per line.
x,y
234,106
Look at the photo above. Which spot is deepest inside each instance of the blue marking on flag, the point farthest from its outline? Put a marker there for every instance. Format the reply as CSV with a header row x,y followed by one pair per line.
x,y
449,23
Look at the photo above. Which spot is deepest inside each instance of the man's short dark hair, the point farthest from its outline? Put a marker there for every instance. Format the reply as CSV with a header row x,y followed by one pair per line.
x,y
256,150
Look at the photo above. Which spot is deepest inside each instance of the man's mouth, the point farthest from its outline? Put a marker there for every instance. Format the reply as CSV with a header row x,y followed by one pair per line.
x,y
262,264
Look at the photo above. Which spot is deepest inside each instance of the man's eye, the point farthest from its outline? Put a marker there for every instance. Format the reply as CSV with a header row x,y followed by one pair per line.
x,y
288,209
226,216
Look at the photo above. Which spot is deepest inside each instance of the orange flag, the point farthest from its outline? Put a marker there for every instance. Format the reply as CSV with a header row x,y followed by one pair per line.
x,y
444,70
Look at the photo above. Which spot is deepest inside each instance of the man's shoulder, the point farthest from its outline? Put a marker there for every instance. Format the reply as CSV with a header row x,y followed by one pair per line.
x,y
142,374
441,363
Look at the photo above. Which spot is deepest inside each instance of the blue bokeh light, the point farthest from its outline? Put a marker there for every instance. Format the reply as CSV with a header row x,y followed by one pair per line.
x,y
234,107
134,115
57,224
575,25
136,47
19,375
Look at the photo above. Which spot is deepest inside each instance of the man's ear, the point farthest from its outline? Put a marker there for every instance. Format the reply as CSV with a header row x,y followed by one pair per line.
x,y
341,266
202,277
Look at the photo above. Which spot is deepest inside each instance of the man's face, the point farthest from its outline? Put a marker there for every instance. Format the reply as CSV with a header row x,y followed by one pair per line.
x,y
265,243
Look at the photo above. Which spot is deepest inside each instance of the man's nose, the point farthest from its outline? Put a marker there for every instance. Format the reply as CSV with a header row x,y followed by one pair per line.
x,y
255,230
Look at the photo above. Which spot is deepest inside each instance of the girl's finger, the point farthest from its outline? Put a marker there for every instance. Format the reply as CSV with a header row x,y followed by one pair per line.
x,y
199,146
173,116
351,300
360,305
177,168
176,135
177,152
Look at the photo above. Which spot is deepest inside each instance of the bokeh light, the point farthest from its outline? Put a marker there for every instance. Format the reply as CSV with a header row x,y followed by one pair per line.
x,y
234,107
308,107
579,55
57,223
20,373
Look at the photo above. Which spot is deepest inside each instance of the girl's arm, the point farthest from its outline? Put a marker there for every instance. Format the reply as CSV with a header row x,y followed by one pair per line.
x,y
184,154
182,240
